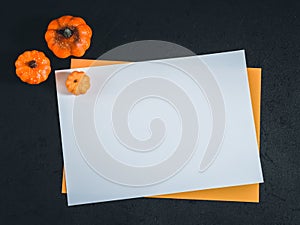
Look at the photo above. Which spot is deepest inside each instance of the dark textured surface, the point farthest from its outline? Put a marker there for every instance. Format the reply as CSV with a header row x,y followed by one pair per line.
x,y
30,147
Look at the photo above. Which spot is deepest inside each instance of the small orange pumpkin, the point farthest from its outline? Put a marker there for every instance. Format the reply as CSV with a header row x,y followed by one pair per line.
x,y
68,36
78,82
33,67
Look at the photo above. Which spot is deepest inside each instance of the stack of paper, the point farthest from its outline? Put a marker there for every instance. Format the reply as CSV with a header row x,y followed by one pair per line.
x,y
172,128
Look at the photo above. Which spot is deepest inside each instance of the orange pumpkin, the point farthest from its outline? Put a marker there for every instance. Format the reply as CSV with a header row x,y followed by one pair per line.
x,y
78,83
33,67
68,36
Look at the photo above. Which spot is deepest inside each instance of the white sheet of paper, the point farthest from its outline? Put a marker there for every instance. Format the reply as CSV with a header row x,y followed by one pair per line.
x,y
158,127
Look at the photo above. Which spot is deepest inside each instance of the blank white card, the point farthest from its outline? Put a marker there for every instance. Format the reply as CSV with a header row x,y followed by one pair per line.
x,y
158,127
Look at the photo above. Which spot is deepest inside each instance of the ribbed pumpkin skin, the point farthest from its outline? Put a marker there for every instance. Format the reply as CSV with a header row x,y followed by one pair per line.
x,y
78,83
33,67
68,35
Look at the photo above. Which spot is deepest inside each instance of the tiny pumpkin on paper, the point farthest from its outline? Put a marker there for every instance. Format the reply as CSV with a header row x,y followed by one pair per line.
x,y
78,83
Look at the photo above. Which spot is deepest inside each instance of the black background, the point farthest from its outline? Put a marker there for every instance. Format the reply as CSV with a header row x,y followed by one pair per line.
x,y
30,144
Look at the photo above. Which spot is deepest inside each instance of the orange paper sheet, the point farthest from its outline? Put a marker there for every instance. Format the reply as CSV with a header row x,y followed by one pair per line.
x,y
244,193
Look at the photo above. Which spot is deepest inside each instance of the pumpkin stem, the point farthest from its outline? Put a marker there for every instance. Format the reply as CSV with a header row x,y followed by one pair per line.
x,y
66,32
32,64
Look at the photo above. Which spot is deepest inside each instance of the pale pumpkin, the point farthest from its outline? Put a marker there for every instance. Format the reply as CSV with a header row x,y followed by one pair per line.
x,y
78,82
